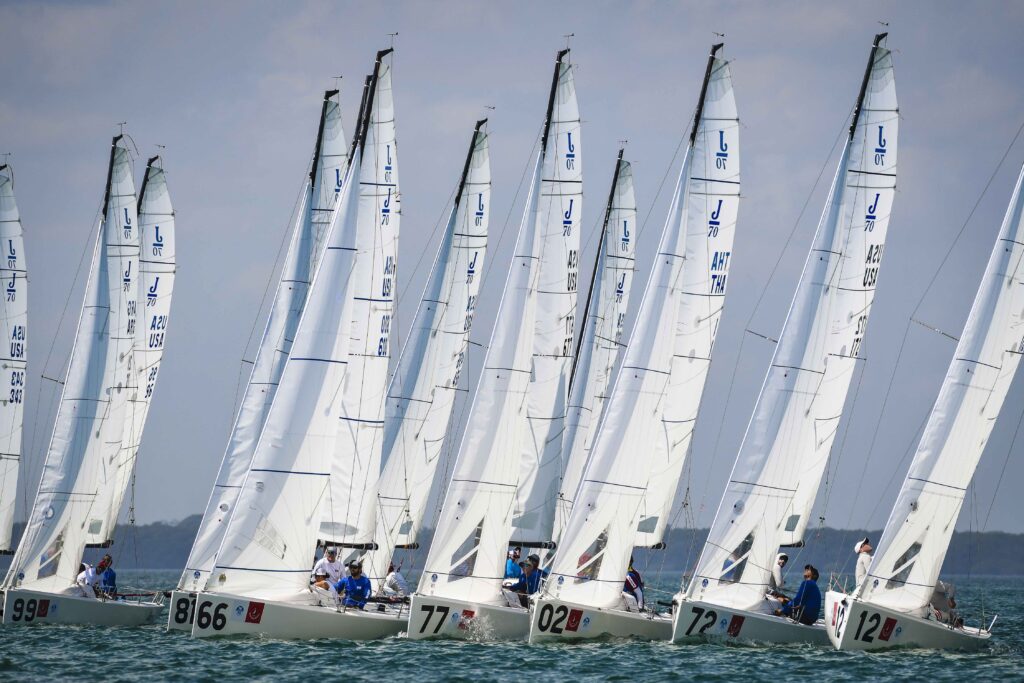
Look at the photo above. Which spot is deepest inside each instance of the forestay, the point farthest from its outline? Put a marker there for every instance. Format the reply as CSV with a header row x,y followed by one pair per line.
x,y
90,416
591,562
349,516
600,343
270,539
155,287
312,222
423,391
558,210
914,544
784,452
467,555
14,328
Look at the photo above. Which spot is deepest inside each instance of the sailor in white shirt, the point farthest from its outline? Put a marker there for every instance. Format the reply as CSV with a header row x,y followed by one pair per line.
x,y
88,578
776,581
328,570
394,583
863,550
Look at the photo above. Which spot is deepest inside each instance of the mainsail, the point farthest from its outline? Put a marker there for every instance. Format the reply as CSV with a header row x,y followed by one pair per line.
x,y
91,415
600,343
423,392
14,328
666,359
155,287
907,561
467,556
271,538
319,199
349,516
784,452
558,207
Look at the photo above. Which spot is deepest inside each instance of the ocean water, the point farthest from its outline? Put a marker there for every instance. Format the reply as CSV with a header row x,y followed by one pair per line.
x,y
150,653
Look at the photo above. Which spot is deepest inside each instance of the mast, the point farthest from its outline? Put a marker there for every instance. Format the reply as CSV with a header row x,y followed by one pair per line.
x,y
328,94
864,83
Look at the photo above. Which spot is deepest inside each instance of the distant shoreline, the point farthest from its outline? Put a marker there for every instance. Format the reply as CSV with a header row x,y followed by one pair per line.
x,y
165,546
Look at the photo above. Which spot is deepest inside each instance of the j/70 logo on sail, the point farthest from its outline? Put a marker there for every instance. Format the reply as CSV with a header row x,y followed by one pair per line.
x,y
570,153
872,214
722,155
625,235
880,148
12,255
479,216
714,222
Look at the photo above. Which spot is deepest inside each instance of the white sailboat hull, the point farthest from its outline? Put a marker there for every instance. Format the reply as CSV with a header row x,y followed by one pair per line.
x,y
554,620
181,611
219,615
856,625
433,617
696,622
25,607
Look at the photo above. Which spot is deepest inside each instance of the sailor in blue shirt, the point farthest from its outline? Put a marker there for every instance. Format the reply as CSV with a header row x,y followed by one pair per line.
x,y
512,568
806,604
108,579
355,586
529,582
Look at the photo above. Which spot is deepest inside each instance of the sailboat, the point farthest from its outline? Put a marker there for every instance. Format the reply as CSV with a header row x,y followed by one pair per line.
x,y
422,395
307,483
648,421
782,458
509,458
106,374
893,606
600,342
14,327
320,195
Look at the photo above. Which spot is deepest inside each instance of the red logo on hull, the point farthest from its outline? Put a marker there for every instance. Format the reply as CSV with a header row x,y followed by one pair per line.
x,y
43,609
735,624
466,618
575,615
887,628
254,614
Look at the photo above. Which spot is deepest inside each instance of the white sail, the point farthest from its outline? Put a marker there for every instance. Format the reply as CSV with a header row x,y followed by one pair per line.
x,y
467,555
320,198
602,332
90,417
711,222
423,392
784,452
270,539
349,517
591,562
155,287
559,207
910,554
14,328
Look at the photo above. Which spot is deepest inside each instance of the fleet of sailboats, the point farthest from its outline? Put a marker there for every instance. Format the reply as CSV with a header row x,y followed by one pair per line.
x,y
575,442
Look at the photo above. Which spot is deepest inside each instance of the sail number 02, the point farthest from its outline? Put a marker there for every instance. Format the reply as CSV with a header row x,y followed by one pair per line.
x,y
217,619
551,618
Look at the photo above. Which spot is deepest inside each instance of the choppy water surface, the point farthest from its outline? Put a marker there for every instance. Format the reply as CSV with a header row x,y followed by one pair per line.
x,y
150,653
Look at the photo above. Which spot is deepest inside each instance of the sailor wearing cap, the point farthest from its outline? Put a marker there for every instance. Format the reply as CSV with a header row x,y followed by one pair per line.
x,y
328,570
355,586
863,550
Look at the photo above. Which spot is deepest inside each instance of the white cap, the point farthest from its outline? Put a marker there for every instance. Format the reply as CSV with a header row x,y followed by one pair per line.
x,y
860,544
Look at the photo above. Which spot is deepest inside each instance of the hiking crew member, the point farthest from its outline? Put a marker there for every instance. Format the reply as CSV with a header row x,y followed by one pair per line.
x,y
328,570
806,604
863,550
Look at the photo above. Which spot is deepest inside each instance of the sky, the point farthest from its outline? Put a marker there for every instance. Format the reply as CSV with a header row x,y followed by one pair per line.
x,y
232,92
